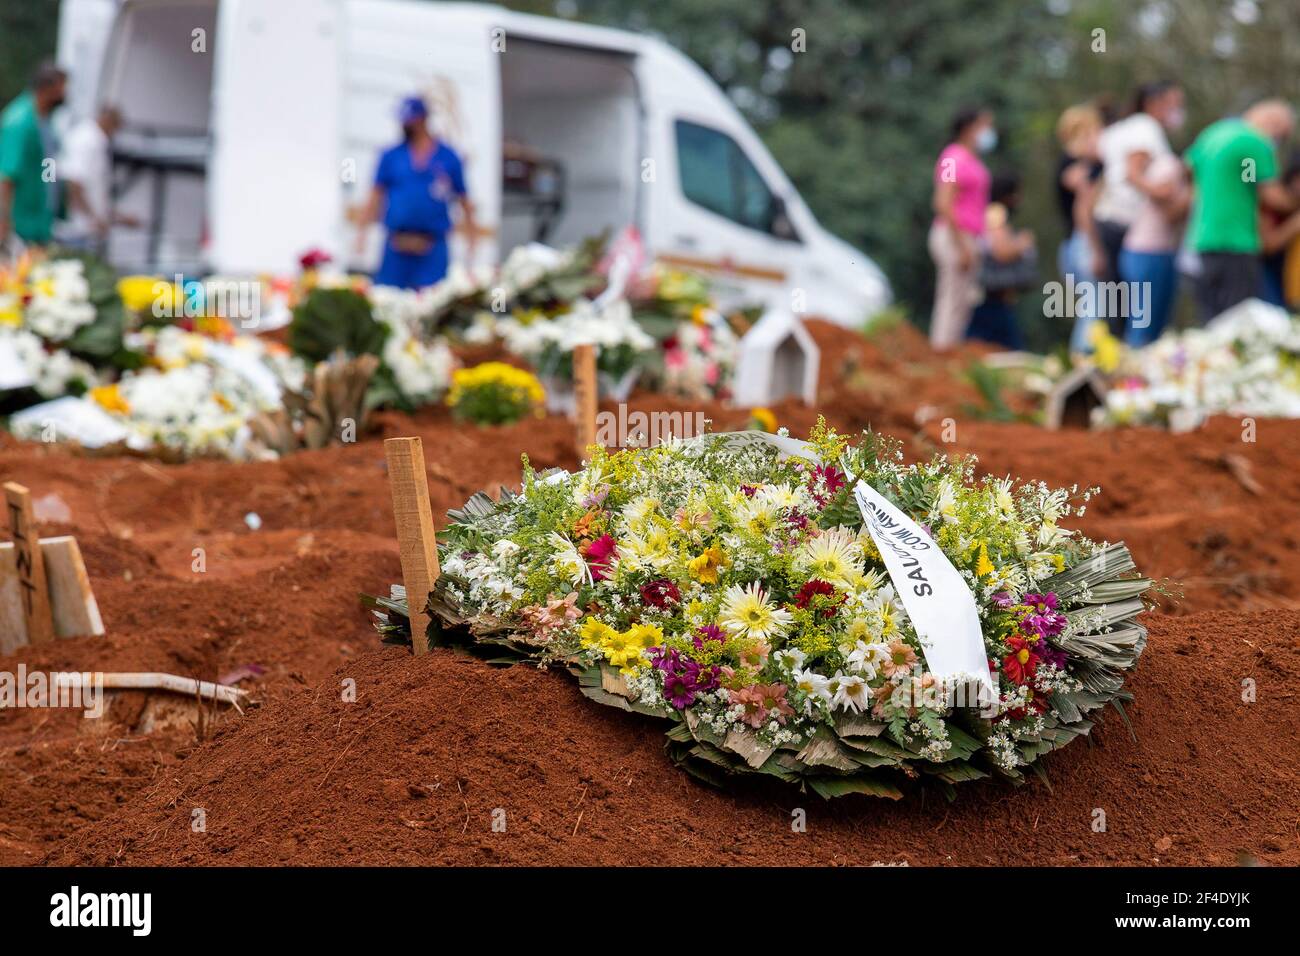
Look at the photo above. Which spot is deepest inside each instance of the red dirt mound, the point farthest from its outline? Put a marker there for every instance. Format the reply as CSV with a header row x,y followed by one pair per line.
x,y
1212,774
434,750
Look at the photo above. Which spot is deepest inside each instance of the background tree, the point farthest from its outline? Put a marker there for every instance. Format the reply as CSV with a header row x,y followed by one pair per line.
x,y
29,30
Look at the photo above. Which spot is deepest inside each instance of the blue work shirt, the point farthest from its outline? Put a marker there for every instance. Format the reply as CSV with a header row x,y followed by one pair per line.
x,y
418,196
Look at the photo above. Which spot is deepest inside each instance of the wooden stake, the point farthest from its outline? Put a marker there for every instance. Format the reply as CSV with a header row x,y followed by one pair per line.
x,y
29,564
415,534
585,394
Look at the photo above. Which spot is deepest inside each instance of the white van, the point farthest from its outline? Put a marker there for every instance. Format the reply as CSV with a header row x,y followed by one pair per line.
x,y
253,128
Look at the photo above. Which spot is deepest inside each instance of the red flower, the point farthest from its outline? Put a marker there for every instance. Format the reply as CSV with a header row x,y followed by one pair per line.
x,y
600,555
1021,664
824,482
660,593
314,258
819,589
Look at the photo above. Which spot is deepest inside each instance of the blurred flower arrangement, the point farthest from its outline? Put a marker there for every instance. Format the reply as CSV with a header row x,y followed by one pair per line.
x,y
1245,362
61,322
200,385
414,371
728,583
494,393
698,345
547,343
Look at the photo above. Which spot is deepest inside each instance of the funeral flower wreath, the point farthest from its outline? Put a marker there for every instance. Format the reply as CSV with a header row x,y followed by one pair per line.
x,y
731,585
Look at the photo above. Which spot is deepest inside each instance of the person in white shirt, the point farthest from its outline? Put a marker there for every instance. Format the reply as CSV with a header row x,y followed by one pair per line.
x,y
1126,148
85,168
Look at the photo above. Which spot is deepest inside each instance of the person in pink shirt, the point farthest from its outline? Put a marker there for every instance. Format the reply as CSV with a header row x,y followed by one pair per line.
x,y
961,195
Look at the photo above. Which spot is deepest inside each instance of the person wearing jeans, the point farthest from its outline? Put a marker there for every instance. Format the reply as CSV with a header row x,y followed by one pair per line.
x,y
1147,259
1158,109
1078,183
961,195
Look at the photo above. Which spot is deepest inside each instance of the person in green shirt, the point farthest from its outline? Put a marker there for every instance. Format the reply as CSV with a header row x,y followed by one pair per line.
x,y
1234,167
28,192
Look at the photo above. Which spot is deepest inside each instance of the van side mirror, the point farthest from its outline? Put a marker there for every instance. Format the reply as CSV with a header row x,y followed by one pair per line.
x,y
782,227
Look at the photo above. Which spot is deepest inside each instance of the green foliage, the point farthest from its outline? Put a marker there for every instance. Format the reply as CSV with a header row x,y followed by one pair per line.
x,y
330,320
990,383
492,403
28,34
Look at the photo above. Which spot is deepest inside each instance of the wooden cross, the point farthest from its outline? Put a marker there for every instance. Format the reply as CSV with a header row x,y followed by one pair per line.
x,y
45,591
29,563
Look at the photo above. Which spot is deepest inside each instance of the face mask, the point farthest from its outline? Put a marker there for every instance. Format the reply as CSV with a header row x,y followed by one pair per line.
x,y
986,140
1177,117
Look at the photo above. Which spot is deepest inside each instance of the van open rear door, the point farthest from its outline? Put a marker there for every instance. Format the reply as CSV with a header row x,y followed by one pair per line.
x,y
274,178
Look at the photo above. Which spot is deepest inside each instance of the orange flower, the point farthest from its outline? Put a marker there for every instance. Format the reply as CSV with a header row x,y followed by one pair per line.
x,y
900,660
582,528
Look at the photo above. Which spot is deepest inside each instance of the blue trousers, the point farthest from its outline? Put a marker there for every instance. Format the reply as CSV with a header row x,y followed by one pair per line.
x,y
1074,260
994,320
407,271
1159,277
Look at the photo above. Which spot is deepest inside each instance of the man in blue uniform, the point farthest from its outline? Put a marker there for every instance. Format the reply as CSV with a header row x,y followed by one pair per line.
x,y
415,183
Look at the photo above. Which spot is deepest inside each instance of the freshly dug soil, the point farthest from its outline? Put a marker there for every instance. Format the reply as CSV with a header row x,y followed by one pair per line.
x,y
435,749
412,771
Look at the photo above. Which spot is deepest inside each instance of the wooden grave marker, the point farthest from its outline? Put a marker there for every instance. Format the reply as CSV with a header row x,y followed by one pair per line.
x,y
415,535
29,565
45,591
586,395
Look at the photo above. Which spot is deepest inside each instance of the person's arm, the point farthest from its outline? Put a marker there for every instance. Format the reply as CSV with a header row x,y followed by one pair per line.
x,y
1273,195
1276,234
10,164
1005,243
370,210
1176,205
1075,176
469,225
368,214
78,202
1159,191
6,207
945,197
456,170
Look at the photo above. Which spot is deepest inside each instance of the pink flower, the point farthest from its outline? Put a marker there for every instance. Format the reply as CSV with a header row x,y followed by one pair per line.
x,y
777,706
753,701
761,703
558,613
600,555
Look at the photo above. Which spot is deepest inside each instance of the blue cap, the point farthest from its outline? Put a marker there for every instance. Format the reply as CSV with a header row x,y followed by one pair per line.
x,y
412,109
